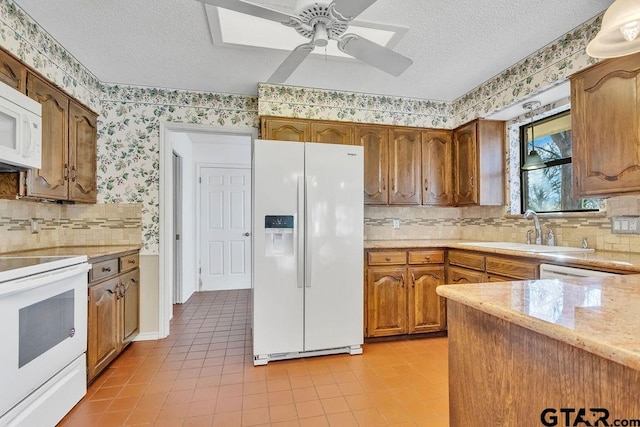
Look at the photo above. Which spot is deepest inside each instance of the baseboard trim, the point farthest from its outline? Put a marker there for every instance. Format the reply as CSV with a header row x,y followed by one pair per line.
x,y
147,336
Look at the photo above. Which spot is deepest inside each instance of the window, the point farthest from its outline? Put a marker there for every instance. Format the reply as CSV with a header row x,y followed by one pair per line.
x,y
549,189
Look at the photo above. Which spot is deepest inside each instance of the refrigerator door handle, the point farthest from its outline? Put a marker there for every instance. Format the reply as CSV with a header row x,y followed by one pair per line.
x,y
307,242
301,229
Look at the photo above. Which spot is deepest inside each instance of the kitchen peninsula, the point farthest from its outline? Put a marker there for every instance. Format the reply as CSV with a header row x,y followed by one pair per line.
x,y
522,353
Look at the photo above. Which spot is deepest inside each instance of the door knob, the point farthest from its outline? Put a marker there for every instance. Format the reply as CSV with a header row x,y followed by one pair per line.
x,y
247,234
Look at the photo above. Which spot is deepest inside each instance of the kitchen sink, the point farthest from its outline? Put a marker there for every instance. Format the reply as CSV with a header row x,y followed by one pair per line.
x,y
523,247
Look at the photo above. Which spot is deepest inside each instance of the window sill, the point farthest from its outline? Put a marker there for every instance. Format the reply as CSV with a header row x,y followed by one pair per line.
x,y
559,215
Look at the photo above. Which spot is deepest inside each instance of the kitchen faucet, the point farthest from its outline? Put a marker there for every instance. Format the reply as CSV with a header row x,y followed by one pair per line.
x,y
528,214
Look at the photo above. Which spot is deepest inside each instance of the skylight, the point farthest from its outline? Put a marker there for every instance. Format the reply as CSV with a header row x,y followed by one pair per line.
x,y
234,28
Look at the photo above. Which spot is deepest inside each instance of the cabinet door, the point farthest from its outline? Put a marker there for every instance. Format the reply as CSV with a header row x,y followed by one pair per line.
x,y
460,276
404,167
437,177
605,111
426,308
386,301
82,154
285,130
12,72
50,181
129,304
333,133
103,340
375,141
465,162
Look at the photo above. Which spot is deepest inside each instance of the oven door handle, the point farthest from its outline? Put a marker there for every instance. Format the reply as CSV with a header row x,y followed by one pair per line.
x,y
42,279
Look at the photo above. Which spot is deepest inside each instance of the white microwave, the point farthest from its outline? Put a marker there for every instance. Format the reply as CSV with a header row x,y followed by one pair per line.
x,y
20,131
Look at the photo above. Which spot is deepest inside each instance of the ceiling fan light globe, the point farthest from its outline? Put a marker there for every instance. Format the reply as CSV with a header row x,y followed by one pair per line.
x,y
618,35
320,35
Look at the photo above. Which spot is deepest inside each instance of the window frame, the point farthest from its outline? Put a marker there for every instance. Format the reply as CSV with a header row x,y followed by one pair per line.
x,y
524,151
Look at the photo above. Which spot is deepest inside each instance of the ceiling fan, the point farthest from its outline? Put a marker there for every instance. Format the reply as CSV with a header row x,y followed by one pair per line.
x,y
321,22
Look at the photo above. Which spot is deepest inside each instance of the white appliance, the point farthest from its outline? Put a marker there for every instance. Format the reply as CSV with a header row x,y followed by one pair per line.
x,y
308,249
43,313
549,271
20,131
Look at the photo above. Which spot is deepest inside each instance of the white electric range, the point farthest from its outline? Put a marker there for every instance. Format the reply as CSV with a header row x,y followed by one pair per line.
x,y
43,310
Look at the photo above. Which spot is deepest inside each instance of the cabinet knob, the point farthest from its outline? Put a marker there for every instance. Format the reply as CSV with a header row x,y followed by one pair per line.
x,y
106,269
131,261
427,257
388,258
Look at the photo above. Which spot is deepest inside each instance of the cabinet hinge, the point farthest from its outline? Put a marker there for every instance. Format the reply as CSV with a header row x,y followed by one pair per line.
x,y
200,180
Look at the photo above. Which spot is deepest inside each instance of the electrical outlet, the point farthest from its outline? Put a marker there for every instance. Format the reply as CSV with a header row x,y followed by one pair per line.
x,y
396,224
625,225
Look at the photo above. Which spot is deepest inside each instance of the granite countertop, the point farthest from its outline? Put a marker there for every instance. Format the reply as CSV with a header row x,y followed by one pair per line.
x,y
598,315
622,261
91,252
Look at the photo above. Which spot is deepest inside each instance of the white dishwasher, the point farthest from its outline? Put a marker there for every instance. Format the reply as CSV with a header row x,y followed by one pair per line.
x,y
549,271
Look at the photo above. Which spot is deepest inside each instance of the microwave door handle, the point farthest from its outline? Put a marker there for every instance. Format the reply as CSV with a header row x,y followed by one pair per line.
x,y
26,128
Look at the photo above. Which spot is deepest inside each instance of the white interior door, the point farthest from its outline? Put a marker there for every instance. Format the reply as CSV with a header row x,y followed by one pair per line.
x,y
225,227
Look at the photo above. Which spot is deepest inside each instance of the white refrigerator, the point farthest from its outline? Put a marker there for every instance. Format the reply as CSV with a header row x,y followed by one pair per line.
x,y
308,249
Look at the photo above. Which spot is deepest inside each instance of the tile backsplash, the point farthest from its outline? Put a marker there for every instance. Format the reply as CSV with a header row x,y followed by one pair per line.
x,y
64,225
493,224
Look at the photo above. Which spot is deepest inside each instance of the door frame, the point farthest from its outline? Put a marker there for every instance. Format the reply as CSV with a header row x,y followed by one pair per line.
x,y
165,208
177,193
199,167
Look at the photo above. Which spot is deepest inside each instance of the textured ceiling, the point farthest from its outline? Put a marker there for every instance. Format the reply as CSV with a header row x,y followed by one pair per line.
x,y
455,44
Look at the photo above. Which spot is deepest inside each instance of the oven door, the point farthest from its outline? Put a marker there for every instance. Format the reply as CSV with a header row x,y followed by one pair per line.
x,y
44,328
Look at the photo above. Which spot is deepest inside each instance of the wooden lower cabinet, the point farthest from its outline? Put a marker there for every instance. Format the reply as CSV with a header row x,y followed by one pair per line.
x,y
386,299
401,292
102,333
460,276
478,267
426,308
114,309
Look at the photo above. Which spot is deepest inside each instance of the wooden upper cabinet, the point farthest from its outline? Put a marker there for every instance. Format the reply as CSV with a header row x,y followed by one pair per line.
x,y
478,163
375,141
437,175
51,180
286,130
404,166
605,116
333,133
465,165
12,72
82,154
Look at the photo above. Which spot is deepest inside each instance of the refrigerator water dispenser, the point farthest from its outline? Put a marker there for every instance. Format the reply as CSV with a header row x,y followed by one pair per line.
x,y
278,235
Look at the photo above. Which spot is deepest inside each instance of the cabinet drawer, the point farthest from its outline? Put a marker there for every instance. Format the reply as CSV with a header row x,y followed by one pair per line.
x,y
461,276
129,262
508,267
387,258
103,269
426,257
467,259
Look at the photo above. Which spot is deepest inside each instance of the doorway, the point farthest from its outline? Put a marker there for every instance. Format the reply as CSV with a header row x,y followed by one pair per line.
x,y
193,143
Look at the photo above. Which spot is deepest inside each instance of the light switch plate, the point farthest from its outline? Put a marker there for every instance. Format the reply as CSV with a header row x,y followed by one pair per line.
x,y
396,224
625,225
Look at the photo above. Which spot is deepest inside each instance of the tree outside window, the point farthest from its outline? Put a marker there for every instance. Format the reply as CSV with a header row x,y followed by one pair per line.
x,y
549,189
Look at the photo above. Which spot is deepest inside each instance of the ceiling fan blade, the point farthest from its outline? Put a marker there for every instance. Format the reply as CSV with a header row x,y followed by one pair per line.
x,y
349,9
292,62
374,54
250,9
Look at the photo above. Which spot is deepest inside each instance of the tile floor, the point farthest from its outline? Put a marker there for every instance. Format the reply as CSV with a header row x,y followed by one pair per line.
x,y
203,375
